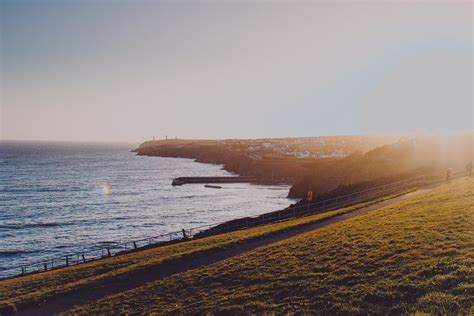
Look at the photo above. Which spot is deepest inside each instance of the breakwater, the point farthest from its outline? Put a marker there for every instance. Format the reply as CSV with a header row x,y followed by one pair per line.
x,y
184,180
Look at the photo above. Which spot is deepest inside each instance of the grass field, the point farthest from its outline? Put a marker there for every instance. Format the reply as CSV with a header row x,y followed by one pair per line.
x,y
43,286
415,256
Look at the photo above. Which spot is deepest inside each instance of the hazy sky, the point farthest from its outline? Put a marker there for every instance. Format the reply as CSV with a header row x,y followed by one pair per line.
x,y
128,70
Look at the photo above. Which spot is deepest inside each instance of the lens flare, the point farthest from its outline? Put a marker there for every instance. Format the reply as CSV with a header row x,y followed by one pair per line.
x,y
105,188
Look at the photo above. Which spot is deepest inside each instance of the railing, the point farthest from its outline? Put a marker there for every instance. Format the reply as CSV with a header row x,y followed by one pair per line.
x,y
213,229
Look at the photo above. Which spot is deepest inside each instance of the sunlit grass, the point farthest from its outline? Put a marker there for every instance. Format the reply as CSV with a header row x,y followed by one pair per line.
x,y
415,256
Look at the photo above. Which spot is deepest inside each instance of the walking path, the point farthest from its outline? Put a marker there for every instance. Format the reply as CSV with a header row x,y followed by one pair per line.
x,y
134,279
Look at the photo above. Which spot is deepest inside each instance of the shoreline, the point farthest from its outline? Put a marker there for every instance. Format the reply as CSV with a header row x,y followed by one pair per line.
x,y
232,161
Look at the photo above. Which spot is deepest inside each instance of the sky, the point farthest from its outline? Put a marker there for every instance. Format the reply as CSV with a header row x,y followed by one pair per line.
x,y
104,70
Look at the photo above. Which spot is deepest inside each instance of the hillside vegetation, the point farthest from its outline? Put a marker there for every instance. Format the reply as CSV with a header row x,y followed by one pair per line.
x,y
413,256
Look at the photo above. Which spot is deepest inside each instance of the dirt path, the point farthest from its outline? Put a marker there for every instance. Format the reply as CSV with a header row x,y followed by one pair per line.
x,y
133,279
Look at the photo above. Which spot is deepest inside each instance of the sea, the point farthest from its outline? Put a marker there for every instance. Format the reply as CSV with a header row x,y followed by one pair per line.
x,y
59,198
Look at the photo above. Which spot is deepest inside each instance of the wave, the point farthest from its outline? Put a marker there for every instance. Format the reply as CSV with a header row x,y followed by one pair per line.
x,y
33,225
42,190
11,157
12,253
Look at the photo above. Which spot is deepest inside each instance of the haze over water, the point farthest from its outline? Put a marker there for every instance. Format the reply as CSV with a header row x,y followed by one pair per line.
x,y
58,198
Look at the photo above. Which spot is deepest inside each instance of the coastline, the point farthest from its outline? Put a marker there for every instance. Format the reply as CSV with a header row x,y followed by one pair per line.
x,y
326,178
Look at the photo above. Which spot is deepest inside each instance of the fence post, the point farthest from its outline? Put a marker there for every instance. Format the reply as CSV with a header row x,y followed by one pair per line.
x,y
45,267
67,261
23,270
108,252
83,258
135,245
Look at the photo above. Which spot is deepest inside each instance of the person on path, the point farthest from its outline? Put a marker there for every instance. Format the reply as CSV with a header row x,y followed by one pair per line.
x,y
448,174
469,168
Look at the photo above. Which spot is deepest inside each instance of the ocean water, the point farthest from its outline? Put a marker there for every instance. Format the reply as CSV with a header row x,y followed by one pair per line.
x,y
58,198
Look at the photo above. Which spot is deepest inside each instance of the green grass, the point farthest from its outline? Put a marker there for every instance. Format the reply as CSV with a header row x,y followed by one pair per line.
x,y
412,257
43,286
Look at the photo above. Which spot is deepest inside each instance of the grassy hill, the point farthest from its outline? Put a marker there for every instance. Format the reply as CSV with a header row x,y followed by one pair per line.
x,y
413,256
